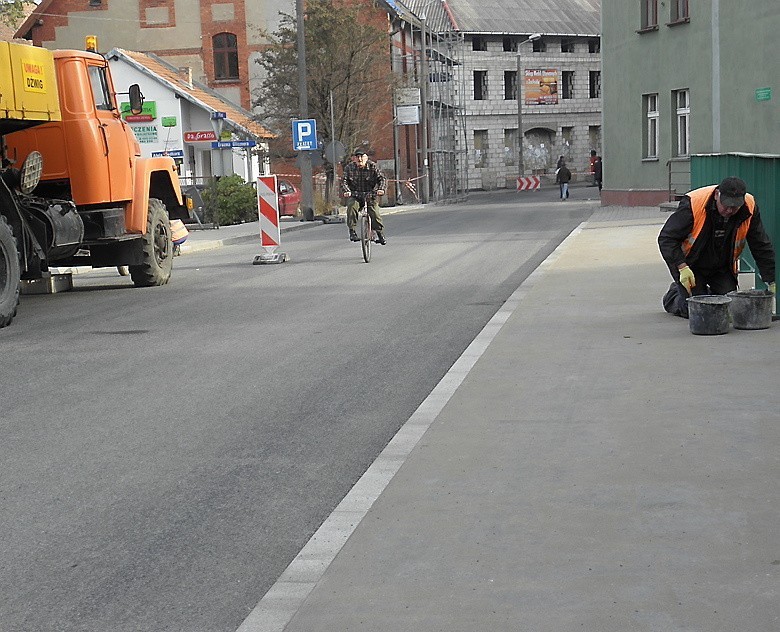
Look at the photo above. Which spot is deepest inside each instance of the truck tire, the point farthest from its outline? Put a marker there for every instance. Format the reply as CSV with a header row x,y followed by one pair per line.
x,y
157,249
9,274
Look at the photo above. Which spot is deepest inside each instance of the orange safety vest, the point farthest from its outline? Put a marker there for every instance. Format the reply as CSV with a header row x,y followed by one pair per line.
x,y
179,232
699,199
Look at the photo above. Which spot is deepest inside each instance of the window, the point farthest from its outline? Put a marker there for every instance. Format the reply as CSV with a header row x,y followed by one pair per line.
x,y
594,46
679,11
682,105
480,147
567,136
510,146
649,14
100,92
567,45
478,43
480,85
225,56
568,84
510,85
650,144
510,45
594,83
540,46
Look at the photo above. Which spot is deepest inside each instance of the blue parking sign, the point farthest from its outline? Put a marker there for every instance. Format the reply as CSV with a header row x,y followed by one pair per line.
x,y
304,134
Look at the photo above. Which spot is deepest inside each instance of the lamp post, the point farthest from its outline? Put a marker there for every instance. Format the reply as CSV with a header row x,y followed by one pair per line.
x,y
520,83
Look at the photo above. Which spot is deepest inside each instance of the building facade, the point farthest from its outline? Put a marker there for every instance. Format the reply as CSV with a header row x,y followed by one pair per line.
x,y
204,133
481,80
684,77
558,78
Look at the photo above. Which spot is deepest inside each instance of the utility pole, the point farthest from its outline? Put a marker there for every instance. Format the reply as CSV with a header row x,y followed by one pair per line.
x,y
307,194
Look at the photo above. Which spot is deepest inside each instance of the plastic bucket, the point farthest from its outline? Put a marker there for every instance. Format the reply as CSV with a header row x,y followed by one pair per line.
x,y
708,315
751,309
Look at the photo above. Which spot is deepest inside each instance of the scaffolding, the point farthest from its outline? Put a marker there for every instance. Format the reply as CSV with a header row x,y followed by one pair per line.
x,y
428,54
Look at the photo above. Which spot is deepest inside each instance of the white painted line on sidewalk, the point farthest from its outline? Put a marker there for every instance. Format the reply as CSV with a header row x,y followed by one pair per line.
x,y
278,606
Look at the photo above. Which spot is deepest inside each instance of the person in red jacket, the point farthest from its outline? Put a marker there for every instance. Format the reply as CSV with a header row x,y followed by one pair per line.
x,y
702,240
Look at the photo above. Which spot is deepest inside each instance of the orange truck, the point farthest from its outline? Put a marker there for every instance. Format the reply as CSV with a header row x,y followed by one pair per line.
x,y
74,189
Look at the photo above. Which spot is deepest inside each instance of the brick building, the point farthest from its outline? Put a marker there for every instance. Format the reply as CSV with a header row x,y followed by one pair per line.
x,y
217,40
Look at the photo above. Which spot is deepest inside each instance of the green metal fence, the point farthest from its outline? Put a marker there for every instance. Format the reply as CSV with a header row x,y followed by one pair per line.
x,y
761,173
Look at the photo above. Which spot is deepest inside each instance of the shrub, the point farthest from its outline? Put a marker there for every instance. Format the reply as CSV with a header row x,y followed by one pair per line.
x,y
234,200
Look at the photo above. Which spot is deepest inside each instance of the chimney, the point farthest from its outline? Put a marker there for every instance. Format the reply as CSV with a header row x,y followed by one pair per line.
x,y
186,73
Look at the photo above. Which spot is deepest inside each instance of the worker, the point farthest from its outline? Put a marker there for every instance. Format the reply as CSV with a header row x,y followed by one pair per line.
x,y
702,240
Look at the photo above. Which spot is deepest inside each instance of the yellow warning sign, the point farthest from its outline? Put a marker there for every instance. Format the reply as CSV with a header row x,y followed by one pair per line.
x,y
34,76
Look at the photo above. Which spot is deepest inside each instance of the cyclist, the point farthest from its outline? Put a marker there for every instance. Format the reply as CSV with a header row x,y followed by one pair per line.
x,y
363,176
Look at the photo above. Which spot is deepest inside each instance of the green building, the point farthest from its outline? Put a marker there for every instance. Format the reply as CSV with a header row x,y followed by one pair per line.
x,y
684,77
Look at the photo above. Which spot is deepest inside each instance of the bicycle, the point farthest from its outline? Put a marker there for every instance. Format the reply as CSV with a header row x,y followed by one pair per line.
x,y
366,229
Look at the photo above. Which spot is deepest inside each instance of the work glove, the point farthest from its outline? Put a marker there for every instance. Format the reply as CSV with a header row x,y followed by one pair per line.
x,y
771,287
687,278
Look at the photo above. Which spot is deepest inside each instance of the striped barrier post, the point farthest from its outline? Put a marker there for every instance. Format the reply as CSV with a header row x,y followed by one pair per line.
x,y
529,183
268,212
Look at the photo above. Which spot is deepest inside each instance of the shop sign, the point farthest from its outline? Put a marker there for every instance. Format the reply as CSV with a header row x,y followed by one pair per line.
x,y
148,112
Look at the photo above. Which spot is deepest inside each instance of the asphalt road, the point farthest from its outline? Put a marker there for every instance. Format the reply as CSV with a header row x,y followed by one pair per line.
x,y
165,452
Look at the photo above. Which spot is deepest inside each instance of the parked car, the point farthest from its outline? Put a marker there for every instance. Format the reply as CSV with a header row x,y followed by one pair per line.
x,y
289,198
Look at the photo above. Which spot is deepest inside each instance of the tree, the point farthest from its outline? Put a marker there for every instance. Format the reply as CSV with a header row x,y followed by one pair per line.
x,y
12,11
345,56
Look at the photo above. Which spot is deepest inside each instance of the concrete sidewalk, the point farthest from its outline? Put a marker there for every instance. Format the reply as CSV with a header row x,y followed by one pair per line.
x,y
587,464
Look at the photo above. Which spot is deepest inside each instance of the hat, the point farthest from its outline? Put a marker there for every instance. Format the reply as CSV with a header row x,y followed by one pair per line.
x,y
360,152
732,191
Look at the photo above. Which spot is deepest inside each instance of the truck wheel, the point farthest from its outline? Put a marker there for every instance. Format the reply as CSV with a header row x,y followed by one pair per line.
x,y
9,274
157,249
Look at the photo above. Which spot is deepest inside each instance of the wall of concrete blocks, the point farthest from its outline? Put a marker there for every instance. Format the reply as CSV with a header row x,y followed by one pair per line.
x,y
571,128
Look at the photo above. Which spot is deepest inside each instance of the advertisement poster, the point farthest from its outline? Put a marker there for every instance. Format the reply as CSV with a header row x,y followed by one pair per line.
x,y
541,86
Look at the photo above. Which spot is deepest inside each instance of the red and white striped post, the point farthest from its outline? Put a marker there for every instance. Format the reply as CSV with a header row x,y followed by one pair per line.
x,y
268,213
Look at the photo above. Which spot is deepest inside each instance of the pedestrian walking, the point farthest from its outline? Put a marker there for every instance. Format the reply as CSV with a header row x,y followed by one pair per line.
x,y
597,172
702,240
562,178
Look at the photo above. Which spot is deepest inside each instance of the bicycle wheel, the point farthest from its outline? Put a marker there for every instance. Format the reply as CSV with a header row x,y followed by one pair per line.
x,y
365,236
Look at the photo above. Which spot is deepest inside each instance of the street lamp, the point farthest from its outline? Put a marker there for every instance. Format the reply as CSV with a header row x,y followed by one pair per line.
x,y
520,82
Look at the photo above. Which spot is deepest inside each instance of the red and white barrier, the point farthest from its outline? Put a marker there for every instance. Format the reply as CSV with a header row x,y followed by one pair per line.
x,y
268,212
529,183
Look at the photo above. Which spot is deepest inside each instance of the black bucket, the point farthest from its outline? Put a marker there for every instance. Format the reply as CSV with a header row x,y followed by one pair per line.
x,y
708,315
751,309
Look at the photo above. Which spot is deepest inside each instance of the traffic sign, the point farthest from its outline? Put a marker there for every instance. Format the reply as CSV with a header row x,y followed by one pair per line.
x,y
225,144
219,115
304,134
